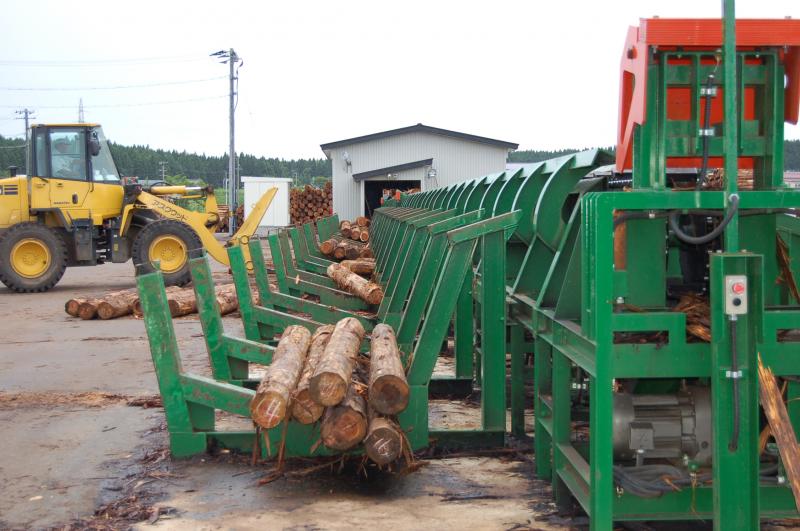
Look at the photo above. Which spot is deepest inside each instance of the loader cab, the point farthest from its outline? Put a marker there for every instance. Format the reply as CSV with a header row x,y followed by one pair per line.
x,y
73,174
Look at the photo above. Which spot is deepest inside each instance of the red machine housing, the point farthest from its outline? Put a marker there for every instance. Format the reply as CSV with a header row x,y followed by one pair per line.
x,y
697,35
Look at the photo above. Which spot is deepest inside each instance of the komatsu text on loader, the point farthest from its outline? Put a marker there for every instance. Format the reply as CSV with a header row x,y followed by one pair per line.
x,y
72,210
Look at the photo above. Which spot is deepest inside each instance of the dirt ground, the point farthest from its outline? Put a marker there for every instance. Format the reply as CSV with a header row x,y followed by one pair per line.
x,y
79,453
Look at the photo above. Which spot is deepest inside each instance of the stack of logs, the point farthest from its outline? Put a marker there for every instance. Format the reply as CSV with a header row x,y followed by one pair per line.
x,y
351,244
181,301
357,231
310,203
322,377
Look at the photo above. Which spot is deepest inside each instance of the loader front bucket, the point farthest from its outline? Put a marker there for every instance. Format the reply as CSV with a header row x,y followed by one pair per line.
x,y
251,223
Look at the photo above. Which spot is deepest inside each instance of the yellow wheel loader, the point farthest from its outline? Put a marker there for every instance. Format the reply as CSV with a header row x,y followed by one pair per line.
x,y
72,210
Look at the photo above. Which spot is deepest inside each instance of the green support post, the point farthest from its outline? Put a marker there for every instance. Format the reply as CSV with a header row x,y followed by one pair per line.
x,y
734,395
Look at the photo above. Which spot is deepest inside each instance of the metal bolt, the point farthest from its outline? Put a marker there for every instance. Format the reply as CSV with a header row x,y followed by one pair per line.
x,y
620,300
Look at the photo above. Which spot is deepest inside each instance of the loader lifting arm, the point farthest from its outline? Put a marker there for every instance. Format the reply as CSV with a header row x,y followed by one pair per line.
x,y
203,223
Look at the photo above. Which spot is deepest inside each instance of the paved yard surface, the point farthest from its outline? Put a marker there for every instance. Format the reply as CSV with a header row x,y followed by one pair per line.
x,y
77,454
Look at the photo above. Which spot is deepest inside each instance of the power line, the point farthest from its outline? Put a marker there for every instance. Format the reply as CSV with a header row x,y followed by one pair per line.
x,y
104,62
14,147
115,87
167,102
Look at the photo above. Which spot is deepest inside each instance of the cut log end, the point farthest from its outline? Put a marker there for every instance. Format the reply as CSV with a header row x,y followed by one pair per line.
x,y
328,388
305,410
268,409
384,442
346,429
389,394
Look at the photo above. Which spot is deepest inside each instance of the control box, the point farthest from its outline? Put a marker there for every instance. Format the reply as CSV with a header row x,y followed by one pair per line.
x,y
735,294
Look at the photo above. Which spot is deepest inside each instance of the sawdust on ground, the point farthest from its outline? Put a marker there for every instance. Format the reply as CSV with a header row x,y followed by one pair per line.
x,y
86,399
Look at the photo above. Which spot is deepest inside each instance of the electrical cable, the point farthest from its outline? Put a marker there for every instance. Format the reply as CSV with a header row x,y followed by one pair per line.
x,y
116,87
701,179
107,62
700,240
143,104
733,445
651,481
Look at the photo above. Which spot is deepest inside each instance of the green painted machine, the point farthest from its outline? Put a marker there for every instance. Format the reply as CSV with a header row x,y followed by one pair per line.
x,y
635,290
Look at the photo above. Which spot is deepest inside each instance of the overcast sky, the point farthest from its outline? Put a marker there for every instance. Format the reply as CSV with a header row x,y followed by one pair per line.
x,y
542,74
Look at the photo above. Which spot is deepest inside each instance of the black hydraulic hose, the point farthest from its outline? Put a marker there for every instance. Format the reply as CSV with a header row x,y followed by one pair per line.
x,y
701,179
733,445
700,240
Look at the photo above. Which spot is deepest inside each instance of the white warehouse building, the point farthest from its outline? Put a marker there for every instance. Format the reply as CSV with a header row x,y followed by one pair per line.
x,y
418,156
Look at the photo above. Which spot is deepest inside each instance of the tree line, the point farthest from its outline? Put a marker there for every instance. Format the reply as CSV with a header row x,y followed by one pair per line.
x,y
144,162
791,155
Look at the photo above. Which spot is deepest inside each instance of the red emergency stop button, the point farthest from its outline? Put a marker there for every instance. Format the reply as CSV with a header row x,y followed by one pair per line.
x,y
737,288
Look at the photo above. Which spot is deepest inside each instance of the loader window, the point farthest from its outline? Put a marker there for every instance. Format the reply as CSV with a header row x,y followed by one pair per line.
x,y
68,154
40,151
103,167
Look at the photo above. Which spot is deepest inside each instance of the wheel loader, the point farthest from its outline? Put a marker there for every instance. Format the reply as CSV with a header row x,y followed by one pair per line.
x,y
73,210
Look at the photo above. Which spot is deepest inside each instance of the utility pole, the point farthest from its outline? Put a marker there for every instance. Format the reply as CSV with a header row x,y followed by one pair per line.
x,y
163,170
81,117
27,114
231,58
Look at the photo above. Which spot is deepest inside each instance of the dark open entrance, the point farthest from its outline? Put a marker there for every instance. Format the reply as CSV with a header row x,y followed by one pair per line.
x,y
373,191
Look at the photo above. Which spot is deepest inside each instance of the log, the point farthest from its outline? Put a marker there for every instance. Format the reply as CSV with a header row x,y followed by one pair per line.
x,y
332,374
366,252
304,409
71,306
384,441
388,386
345,425
340,251
327,247
345,228
361,266
351,252
352,283
269,406
85,308
227,302
117,304
781,426
182,301
362,221
355,234
364,235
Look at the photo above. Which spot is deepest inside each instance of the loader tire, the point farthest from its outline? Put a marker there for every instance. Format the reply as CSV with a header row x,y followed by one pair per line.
x,y
33,257
168,242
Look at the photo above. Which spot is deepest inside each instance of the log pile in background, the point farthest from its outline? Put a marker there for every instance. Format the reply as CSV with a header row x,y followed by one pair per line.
x,y
181,302
324,378
310,203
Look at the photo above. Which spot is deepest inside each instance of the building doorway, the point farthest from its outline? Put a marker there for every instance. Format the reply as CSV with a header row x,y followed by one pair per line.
x,y
373,191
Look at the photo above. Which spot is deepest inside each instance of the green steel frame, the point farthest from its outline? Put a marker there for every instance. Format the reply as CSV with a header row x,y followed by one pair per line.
x,y
429,288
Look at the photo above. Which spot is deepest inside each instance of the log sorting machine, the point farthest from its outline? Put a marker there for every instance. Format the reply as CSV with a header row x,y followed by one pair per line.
x,y
577,269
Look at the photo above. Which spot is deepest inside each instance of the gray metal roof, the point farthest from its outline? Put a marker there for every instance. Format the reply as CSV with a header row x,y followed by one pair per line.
x,y
422,129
